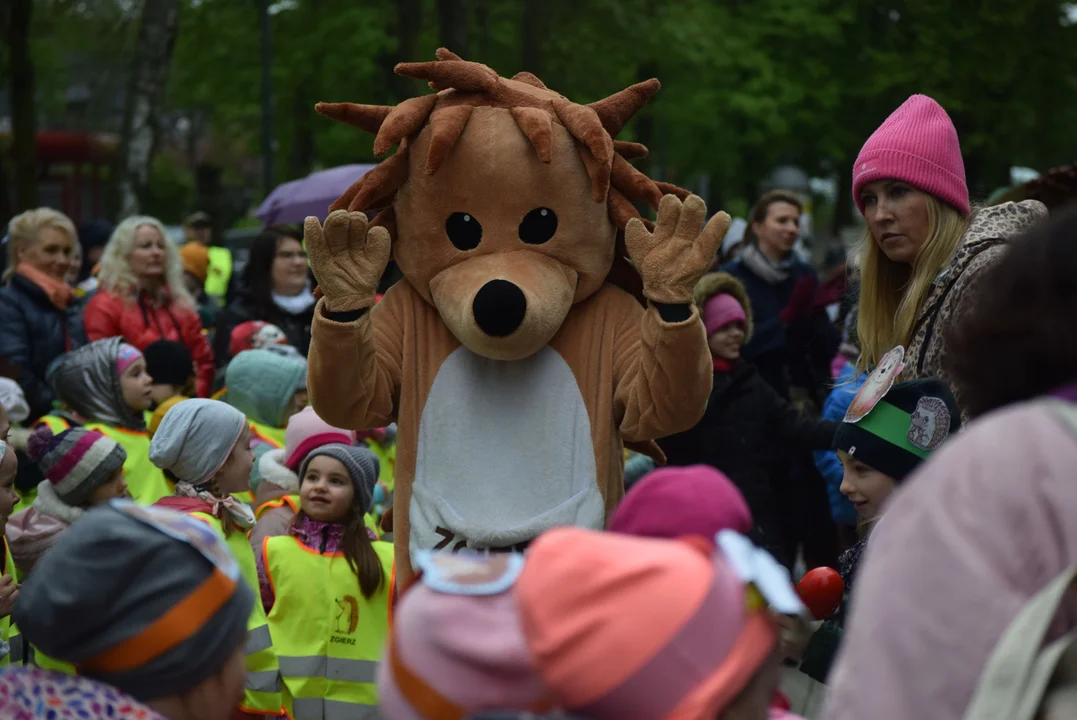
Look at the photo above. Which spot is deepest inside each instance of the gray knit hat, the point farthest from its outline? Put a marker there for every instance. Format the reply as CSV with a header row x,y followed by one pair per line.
x,y
362,464
97,598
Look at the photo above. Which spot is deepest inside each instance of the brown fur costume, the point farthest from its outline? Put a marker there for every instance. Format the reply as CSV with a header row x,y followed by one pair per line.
x,y
513,356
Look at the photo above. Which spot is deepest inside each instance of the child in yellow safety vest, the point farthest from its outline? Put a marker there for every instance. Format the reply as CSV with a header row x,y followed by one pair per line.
x,y
106,388
276,491
204,447
327,587
82,469
150,608
10,640
268,388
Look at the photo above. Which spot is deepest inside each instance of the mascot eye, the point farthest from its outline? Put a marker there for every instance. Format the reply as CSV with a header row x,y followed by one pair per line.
x,y
463,230
538,226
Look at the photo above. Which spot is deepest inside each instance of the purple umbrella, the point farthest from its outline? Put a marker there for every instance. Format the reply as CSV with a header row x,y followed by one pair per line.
x,y
293,201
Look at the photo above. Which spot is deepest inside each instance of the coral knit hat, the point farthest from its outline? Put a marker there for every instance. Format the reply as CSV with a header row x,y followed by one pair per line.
x,y
917,144
630,628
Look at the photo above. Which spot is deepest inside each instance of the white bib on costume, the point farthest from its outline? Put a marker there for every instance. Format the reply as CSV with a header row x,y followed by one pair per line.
x,y
504,452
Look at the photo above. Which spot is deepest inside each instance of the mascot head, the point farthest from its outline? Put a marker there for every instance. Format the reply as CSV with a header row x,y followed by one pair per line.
x,y
505,200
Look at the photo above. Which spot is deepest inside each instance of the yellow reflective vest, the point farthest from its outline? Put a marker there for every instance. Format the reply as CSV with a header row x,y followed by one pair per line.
x,y
145,481
273,436
219,274
291,500
329,638
261,694
8,632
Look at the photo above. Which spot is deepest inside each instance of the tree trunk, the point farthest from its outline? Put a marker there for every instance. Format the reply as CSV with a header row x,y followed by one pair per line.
x,y
533,34
23,115
145,93
302,155
452,26
409,21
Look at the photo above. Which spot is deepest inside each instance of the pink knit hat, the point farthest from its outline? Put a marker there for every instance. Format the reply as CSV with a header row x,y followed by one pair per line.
x,y
126,357
305,432
721,310
677,501
624,627
918,144
453,655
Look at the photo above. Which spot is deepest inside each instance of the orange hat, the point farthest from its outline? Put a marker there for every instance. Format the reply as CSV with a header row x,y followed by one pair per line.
x,y
195,258
627,627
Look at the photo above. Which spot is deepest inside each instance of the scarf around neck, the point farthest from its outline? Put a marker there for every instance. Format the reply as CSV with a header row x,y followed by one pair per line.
x,y
761,266
295,304
57,291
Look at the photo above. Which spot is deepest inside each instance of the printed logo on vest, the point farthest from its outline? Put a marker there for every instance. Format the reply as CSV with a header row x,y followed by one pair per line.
x,y
347,619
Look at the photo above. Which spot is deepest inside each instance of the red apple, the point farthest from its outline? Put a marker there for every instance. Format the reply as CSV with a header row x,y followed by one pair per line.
x,y
821,590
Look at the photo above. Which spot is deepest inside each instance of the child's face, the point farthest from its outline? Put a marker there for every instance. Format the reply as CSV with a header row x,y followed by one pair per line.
x,y
326,491
137,386
725,342
113,489
866,487
235,475
9,467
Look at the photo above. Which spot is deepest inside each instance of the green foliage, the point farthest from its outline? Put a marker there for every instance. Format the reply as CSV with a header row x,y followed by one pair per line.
x,y
747,84
170,190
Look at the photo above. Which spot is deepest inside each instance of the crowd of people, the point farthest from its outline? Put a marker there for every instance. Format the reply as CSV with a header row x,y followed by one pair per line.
x,y
185,538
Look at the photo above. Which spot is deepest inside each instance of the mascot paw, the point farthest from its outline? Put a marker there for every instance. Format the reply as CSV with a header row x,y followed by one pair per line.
x,y
673,257
348,258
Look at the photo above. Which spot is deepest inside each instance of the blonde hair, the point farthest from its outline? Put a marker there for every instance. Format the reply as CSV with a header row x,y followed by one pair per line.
x,y
24,229
116,276
891,294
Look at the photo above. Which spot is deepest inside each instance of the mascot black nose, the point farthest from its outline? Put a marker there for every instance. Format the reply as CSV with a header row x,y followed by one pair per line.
x,y
499,308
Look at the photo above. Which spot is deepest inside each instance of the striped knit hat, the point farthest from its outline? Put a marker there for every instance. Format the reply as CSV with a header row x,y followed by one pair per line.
x,y
76,462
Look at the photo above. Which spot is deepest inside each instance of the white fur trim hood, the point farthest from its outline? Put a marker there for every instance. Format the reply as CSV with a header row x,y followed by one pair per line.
x,y
49,503
271,468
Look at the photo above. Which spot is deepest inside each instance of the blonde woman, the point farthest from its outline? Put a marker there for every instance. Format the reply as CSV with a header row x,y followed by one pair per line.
x,y
142,297
39,317
924,247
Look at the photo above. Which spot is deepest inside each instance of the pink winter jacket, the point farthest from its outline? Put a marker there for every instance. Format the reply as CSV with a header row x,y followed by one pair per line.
x,y
968,540
32,532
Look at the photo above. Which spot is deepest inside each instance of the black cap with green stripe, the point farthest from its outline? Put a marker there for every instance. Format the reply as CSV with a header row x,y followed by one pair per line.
x,y
903,428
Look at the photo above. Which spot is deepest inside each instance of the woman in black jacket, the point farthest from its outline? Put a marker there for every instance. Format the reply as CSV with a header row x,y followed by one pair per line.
x,y
275,287
40,318
748,430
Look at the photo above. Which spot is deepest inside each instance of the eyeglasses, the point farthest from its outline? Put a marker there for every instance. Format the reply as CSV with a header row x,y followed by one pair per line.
x,y
294,255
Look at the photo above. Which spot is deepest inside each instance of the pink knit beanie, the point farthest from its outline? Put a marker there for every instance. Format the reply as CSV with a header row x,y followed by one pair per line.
x,y
917,144
306,432
676,501
460,651
721,310
126,357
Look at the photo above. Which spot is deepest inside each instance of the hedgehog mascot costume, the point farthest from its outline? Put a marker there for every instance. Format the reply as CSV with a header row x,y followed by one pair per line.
x,y
541,324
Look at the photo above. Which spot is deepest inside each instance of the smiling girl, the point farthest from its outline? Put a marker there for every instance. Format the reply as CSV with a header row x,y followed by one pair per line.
x,y
878,450
924,247
327,587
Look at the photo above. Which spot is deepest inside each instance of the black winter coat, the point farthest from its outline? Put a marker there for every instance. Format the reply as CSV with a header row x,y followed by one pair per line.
x,y
749,432
33,333
295,325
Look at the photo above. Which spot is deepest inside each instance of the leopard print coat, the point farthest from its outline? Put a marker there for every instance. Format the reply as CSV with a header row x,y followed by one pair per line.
x,y
984,244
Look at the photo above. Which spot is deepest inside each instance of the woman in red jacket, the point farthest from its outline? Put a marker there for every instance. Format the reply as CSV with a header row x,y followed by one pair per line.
x,y
142,297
